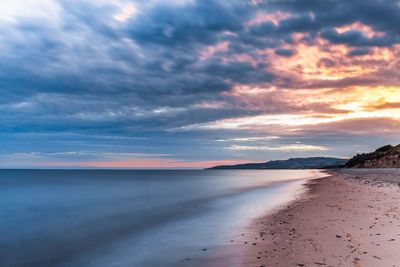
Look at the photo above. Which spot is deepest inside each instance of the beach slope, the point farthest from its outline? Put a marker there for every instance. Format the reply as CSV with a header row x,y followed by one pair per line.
x,y
350,218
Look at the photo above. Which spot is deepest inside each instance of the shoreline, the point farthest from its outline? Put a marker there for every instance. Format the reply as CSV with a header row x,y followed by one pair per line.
x,y
349,218
231,252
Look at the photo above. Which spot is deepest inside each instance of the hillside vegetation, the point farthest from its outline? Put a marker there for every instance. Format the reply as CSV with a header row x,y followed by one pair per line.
x,y
292,163
384,157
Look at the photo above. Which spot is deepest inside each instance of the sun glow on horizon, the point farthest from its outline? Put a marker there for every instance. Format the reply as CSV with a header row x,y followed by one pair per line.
x,y
353,104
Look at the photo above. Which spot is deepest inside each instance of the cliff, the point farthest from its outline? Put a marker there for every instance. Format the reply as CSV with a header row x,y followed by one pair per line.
x,y
384,157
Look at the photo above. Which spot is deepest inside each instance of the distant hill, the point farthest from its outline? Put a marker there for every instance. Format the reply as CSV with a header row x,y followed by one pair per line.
x,y
293,163
384,157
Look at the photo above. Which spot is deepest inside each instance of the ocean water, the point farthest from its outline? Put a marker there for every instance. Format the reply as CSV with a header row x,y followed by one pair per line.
x,y
124,218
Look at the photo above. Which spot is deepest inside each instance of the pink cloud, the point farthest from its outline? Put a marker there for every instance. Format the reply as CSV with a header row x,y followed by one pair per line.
x,y
263,17
143,164
366,29
212,49
126,12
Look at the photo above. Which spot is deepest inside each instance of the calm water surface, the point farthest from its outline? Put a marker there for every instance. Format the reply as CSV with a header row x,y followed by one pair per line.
x,y
118,218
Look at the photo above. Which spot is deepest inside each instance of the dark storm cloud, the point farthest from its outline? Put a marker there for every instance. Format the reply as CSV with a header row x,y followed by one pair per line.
x,y
357,38
314,16
285,52
360,52
87,56
188,25
153,59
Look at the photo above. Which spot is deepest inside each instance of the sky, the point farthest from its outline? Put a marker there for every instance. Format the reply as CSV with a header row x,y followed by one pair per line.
x,y
195,83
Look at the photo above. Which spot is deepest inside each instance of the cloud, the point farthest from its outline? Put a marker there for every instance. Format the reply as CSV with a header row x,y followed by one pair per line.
x,y
285,52
357,38
250,139
154,68
126,12
294,147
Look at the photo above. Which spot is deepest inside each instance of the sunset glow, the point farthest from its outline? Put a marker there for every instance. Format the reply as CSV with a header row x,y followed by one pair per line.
x,y
201,82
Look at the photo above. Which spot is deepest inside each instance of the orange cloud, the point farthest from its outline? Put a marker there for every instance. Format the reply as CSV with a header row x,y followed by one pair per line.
x,y
315,62
288,110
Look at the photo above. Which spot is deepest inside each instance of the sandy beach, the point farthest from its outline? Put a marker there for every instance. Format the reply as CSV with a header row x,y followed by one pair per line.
x,y
350,218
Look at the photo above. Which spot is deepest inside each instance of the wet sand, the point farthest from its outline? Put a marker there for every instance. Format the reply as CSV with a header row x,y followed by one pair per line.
x,y
347,219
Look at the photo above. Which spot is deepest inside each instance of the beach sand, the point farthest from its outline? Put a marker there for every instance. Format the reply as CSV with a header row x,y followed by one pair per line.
x,y
347,219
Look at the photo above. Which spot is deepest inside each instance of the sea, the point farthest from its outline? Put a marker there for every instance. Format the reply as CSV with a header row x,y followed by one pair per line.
x,y
135,218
